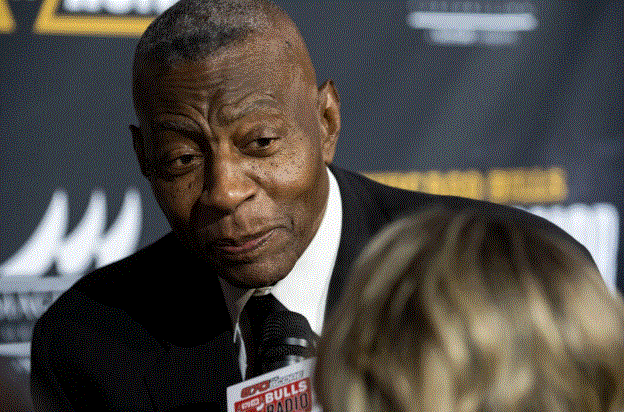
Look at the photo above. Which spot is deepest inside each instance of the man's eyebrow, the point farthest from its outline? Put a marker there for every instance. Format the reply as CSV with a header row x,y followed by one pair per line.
x,y
180,126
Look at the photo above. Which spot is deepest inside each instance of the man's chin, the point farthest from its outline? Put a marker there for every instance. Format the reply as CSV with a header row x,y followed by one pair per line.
x,y
252,275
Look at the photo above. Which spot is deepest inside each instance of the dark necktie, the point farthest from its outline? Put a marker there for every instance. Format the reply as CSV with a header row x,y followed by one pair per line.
x,y
257,309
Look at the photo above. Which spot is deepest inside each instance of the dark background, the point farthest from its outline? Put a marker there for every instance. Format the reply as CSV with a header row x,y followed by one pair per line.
x,y
552,98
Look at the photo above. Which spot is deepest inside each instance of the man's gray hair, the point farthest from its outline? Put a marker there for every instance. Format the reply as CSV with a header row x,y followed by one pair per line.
x,y
193,29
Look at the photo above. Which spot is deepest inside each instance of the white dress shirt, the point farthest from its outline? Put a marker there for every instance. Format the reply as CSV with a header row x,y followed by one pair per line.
x,y
304,289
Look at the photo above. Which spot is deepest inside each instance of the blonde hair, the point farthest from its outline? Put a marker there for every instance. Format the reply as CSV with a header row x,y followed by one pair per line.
x,y
449,311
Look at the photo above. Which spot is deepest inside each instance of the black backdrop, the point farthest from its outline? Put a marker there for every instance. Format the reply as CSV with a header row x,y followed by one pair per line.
x,y
515,102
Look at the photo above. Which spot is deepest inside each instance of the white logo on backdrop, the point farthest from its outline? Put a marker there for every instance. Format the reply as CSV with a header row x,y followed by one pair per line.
x,y
142,7
75,252
470,22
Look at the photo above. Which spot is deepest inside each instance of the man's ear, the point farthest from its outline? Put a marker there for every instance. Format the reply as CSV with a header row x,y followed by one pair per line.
x,y
139,150
329,115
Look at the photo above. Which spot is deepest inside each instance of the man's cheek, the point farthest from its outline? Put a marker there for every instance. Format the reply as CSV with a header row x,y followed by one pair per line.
x,y
297,182
174,202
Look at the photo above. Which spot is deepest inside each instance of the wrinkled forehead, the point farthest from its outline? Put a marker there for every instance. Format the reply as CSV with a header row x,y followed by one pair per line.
x,y
273,59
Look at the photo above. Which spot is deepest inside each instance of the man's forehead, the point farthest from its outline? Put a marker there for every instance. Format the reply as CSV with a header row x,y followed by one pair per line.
x,y
232,111
260,50
264,72
265,65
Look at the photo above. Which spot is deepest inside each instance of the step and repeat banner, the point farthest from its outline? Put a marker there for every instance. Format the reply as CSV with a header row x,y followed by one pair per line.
x,y
516,102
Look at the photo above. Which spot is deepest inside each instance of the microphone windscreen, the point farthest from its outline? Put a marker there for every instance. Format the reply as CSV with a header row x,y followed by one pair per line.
x,y
287,338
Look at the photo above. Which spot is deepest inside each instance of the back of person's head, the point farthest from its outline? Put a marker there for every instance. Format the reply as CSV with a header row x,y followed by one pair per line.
x,y
450,311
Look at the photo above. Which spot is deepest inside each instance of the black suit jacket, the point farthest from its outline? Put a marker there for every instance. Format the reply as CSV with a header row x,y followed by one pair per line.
x,y
145,334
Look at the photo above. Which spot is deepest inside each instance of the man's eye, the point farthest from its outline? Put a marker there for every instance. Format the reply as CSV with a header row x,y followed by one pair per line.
x,y
182,164
184,160
262,144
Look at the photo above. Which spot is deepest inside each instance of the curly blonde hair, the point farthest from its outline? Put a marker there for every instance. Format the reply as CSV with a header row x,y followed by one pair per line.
x,y
454,311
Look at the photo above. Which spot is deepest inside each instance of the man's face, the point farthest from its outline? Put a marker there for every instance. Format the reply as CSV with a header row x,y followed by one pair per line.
x,y
237,147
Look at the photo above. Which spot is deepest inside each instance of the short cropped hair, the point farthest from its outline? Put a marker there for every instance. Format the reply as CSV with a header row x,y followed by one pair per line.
x,y
456,311
193,29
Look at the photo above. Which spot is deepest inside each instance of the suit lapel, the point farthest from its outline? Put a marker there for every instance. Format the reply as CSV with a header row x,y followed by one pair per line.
x,y
361,218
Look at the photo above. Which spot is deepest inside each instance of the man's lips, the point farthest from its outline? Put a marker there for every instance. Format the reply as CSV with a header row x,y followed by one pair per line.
x,y
244,244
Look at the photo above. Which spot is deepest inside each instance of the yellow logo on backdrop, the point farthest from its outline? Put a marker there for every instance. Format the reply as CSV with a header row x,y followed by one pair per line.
x,y
7,24
510,186
127,18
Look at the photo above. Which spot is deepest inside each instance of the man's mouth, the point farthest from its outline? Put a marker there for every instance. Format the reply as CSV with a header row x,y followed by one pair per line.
x,y
243,245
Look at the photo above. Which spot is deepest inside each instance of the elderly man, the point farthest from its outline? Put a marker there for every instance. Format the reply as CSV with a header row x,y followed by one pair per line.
x,y
237,141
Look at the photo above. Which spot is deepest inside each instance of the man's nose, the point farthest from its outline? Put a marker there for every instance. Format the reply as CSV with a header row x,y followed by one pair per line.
x,y
227,184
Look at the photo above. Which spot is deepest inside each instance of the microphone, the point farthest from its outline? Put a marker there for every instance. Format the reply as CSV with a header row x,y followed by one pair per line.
x,y
285,362
287,338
